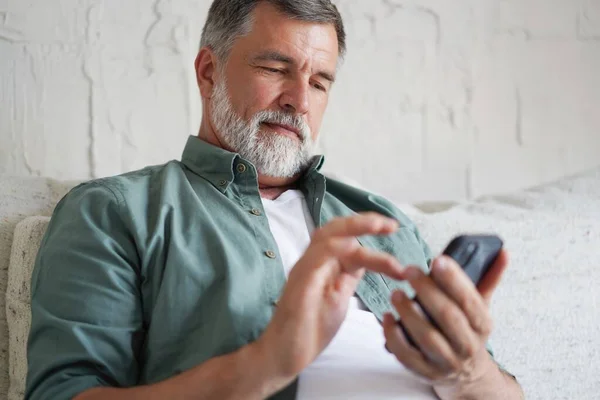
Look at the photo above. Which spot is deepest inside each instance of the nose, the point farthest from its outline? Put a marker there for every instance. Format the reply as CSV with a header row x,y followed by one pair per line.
x,y
295,98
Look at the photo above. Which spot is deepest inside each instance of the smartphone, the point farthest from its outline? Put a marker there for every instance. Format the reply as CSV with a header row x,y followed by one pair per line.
x,y
475,254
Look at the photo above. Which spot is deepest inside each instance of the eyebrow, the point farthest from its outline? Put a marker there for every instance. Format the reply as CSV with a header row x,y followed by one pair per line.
x,y
272,55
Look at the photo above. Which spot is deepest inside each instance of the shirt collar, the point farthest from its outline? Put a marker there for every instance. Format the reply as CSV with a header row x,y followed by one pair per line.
x,y
218,166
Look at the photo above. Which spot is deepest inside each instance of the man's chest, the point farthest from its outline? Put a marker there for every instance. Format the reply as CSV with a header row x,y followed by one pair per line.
x,y
211,281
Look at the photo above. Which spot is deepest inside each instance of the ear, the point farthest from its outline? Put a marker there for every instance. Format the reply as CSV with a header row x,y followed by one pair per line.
x,y
205,71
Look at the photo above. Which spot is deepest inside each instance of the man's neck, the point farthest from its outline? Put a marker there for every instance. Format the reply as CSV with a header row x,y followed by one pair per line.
x,y
272,193
270,188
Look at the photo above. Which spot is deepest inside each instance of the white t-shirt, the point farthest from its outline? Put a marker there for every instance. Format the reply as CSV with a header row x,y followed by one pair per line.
x,y
355,365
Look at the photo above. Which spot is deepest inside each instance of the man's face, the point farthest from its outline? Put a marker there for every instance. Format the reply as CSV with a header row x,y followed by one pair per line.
x,y
269,101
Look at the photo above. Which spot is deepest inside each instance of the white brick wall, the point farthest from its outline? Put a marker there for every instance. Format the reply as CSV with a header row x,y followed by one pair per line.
x,y
437,99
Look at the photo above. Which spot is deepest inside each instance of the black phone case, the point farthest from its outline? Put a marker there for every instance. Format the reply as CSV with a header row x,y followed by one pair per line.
x,y
475,254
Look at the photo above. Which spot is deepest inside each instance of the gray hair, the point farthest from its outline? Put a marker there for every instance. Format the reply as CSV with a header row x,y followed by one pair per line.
x,y
230,19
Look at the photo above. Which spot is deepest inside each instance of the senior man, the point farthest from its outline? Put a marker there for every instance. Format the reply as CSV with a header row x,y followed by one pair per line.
x,y
239,272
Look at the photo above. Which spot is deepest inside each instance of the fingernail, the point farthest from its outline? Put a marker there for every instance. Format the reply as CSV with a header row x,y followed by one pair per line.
x,y
397,296
441,264
386,317
396,265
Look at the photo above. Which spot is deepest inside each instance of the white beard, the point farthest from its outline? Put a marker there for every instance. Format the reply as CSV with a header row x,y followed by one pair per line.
x,y
272,154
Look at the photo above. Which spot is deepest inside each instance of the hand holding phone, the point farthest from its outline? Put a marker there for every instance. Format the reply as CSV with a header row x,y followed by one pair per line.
x,y
475,254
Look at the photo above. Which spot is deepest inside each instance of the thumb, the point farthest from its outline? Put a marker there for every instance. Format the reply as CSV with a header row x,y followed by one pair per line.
x,y
492,278
346,284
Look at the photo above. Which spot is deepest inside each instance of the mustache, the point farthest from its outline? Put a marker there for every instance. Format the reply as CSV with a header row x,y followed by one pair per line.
x,y
281,118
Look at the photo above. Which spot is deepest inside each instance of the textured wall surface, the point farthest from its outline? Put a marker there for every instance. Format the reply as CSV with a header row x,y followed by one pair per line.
x,y
438,99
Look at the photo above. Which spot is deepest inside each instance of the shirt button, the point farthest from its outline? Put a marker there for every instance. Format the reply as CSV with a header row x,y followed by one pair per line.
x,y
256,211
222,182
270,254
275,302
241,168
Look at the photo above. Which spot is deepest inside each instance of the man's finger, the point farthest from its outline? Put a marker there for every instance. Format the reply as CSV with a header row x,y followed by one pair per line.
x,y
450,277
446,313
360,257
429,340
350,256
410,357
369,223
492,278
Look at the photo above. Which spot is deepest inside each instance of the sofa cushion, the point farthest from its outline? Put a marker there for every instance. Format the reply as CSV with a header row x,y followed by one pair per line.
x,y
27,238
20,197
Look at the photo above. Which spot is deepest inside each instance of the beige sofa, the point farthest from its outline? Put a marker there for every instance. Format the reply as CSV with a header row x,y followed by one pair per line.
x,y
547,311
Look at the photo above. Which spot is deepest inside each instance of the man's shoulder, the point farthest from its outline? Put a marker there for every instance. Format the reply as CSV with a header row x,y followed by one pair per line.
x,y
130,185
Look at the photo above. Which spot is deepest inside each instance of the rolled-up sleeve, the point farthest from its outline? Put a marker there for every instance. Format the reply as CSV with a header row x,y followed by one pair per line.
x,y
86,312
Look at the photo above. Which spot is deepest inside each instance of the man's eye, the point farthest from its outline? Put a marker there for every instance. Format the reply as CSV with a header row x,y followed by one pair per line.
x,y
320,87
272,70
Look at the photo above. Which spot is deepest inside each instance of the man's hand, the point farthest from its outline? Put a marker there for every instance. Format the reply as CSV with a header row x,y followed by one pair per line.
x,y
454,356
316,297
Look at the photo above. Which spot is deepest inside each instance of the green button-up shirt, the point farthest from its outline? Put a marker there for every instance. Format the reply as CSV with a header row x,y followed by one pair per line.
x,y
148,274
